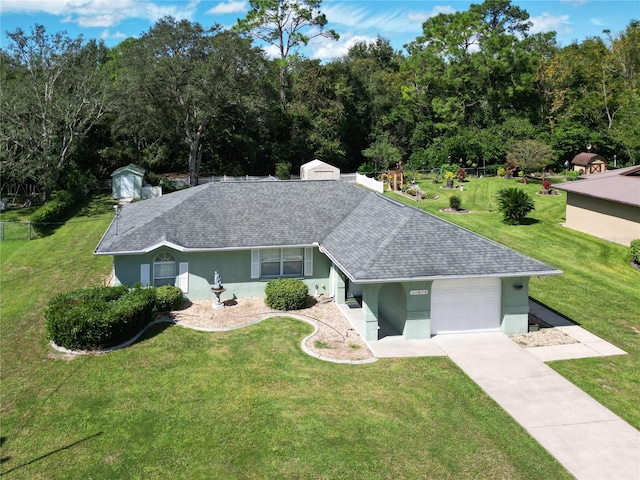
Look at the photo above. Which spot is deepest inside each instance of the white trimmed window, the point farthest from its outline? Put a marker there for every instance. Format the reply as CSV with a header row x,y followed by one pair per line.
x,y
164,270
281,262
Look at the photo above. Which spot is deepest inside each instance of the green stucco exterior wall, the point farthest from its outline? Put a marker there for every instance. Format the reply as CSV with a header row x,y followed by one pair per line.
x,y
233,266
515,305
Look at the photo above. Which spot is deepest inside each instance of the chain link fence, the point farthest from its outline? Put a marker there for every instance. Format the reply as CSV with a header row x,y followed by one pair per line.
x,y
16,231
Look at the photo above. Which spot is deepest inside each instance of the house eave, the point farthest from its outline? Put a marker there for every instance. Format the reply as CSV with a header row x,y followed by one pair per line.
x,y
428,278
451,277
180,248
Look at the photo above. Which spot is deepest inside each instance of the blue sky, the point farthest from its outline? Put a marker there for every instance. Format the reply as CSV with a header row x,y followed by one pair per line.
x,y
354,20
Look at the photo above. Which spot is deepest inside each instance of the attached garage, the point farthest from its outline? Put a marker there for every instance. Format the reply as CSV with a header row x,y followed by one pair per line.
x,y
465,305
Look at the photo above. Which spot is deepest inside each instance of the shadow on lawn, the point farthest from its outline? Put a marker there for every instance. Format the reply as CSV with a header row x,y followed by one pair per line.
x,y
153,331
48,454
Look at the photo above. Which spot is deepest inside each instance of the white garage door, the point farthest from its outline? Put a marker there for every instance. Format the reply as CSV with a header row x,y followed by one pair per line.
x,y
465,305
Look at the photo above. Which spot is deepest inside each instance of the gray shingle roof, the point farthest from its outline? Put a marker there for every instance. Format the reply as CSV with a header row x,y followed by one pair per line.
x,y
370,237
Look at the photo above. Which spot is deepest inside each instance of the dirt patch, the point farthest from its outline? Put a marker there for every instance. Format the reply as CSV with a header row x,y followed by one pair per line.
x,y
543,338
335,339
452,210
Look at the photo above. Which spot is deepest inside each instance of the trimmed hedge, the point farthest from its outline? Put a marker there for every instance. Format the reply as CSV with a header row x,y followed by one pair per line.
x,y
635,250
99,317
286,294
52,211
168,298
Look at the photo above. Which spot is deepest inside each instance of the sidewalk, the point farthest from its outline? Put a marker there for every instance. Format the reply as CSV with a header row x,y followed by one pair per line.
x,y
589,440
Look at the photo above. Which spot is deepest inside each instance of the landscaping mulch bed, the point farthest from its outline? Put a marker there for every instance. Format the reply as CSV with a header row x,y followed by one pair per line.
x,y
335,339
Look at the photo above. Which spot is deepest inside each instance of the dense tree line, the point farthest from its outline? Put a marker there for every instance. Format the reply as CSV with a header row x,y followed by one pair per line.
x,y
474,88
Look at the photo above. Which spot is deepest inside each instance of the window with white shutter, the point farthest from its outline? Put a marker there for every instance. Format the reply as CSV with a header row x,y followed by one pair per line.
x,y
145,274
183,276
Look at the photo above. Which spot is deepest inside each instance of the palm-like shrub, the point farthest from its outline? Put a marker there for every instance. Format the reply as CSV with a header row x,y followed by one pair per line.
x,y
514,204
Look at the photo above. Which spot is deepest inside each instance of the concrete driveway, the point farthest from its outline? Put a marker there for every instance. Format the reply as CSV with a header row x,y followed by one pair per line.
x,y
589,440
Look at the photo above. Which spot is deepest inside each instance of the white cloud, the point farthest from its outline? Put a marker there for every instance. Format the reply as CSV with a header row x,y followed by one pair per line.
x,y
327,49
53,7
107,35
102,13
362,19
547,22
597,22
231,6
421,17
98,21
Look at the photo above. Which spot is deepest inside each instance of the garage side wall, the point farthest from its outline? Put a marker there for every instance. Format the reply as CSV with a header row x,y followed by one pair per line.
x,y
610,221
515,305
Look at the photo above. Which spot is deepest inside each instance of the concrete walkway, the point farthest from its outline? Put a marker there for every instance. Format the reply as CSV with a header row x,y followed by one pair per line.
x,y
589,440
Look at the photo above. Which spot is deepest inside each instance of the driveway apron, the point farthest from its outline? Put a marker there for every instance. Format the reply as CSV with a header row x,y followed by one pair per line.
x,y
589,440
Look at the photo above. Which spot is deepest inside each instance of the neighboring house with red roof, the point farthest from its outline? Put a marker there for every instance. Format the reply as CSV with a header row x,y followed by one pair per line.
x,y
605,205
587,163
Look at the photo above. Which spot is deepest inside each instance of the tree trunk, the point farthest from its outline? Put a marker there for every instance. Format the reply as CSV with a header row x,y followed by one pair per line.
x,y
283,87
195,155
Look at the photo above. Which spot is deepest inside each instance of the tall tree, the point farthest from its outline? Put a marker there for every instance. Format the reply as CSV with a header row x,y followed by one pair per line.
x,y
54,95
179,78
287,25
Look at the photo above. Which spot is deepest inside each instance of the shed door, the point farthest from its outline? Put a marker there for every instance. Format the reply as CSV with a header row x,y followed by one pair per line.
x,y
126,186
465,305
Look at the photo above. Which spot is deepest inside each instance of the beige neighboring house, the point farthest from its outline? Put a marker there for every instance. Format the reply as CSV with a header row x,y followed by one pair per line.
x,y
605,205
587,163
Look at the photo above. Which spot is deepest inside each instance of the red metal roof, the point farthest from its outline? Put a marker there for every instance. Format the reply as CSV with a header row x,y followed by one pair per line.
x,y
584,159
621,186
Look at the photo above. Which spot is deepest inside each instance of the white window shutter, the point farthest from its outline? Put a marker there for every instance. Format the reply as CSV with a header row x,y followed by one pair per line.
x,y
255,263
308,261
183,276
145,274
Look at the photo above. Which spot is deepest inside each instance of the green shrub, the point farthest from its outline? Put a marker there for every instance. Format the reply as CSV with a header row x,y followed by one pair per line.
x,y
283,170
367,168
635,250
491,169
98,317
455,202
167,185
168,298
52,211
286,294
514,204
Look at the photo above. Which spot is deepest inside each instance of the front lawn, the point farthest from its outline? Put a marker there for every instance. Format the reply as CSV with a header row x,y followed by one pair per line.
x,y
242,404
598,289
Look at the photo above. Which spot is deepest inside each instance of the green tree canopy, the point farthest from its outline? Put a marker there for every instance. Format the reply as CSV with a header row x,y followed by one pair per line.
x,y
286,25
530,155
54,90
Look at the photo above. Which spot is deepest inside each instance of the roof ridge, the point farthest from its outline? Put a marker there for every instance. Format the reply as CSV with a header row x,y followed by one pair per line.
x,y
388,239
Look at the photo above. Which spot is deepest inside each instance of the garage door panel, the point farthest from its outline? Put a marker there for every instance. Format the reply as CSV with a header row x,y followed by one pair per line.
x,y
465,305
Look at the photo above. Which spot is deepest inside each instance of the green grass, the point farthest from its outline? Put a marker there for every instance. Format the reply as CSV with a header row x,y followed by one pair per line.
x,y
598,288
244,404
